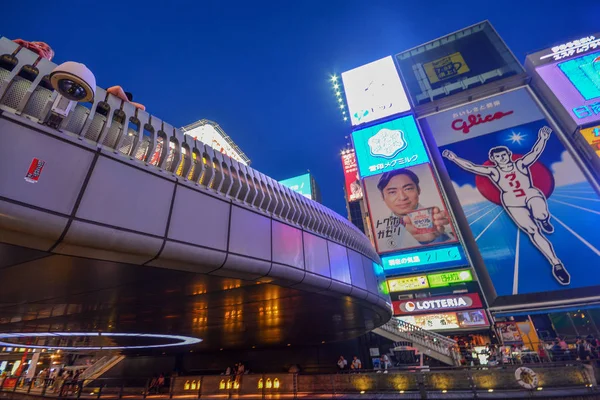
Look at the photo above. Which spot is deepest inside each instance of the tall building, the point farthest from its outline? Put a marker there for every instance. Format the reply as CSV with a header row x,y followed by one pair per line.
x,y
211,134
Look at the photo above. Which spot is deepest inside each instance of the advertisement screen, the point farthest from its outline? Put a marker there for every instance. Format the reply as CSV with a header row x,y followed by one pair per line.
x,y
576,84
509,332
351,178
409,283
592,136
448,320
299,184
374,91
449,278
455,63
407,210
438,303
392,145
423,260
532,212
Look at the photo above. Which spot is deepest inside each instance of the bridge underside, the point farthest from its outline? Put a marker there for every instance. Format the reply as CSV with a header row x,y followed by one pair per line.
x,y
47,292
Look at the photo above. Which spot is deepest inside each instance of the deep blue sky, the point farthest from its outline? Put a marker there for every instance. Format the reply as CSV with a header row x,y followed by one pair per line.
x,y
261,68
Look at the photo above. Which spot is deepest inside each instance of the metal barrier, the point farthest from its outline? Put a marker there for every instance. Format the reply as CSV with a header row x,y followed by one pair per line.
x,y
552,379
130,132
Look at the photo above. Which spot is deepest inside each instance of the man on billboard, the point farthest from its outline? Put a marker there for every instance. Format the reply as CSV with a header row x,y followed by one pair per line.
x,y
523,202
407,222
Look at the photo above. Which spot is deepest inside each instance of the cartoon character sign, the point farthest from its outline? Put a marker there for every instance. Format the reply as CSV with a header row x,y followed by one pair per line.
x,y
523,202
530,207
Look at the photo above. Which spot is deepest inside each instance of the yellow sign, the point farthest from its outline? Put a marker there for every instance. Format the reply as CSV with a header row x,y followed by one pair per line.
x,y
592,136
408,283
446,68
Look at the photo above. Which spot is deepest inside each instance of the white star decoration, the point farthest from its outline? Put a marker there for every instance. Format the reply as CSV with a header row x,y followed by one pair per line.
x,y
516,137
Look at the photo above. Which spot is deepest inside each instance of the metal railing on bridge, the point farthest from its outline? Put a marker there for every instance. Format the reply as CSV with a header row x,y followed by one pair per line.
x,y
500,382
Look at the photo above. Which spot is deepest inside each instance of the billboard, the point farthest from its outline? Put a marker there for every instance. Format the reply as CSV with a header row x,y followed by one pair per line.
x,y
448,320
418,282
299,184
437,303
576,85
592,137
374,91
423,260
454,63
531,210
211,134
407,210
392,145
351,178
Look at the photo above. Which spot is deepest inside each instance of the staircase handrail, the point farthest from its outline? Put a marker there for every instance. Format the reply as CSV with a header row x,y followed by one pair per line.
x,y
425,338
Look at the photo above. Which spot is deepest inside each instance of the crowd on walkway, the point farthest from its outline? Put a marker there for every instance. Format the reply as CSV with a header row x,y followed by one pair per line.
x,y
559,349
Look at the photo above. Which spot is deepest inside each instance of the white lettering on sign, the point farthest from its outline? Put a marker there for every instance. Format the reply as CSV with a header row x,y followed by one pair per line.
x,y
436,304
575,47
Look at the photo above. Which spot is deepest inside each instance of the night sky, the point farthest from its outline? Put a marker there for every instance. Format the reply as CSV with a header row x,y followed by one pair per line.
x,y
261,68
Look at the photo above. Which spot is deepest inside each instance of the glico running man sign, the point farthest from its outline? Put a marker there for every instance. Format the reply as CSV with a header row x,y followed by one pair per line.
x,y
532,212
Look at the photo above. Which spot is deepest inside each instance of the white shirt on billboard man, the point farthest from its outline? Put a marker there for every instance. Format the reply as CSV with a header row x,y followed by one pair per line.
x,y
400,191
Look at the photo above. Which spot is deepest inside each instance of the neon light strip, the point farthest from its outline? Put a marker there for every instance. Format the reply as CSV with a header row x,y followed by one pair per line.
x,y
575,48
183,340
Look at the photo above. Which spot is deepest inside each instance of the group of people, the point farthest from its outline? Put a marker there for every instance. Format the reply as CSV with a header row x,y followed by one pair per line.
x,y
238,370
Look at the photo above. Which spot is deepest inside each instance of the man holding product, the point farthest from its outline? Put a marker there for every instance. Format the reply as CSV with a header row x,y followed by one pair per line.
x,y
412,224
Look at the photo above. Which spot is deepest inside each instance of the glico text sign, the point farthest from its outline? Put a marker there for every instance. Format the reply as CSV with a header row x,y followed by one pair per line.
x,y
438,303
374,91
392,145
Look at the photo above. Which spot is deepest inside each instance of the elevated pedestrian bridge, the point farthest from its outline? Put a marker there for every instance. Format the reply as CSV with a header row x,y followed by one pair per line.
x,y
122,190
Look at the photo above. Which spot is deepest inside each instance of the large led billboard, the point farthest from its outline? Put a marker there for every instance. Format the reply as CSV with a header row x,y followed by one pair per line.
x,y
576,85
299,184
354,190
532,211
211,134
407,210
388,146
456,62
374,91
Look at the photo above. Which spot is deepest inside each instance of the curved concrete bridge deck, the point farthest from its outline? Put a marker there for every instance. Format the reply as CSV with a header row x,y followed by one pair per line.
x,y
123,188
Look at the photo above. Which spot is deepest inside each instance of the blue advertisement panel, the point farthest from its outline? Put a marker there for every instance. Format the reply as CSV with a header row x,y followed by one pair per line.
x,y
299,184
531,210
388,146
424,260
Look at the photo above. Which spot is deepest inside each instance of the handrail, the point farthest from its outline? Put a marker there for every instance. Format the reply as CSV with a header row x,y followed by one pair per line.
x,y
431,340
157,143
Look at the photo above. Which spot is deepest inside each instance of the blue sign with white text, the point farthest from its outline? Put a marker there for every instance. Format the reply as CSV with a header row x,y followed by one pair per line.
x,y
425,260
388,146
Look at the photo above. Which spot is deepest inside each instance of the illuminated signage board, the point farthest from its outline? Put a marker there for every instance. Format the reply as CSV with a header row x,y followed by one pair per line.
x,y
354,190
388,146
497,199
438,303
425,259
408,283
574,47
576,84
374,91
446,67
448,278
299,184
448,320
592,136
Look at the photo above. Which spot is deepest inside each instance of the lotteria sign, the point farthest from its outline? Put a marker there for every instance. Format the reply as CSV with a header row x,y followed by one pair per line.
x,y
440,303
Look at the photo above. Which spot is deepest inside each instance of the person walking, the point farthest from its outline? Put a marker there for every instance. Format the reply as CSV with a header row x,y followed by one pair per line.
x,y
342,364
